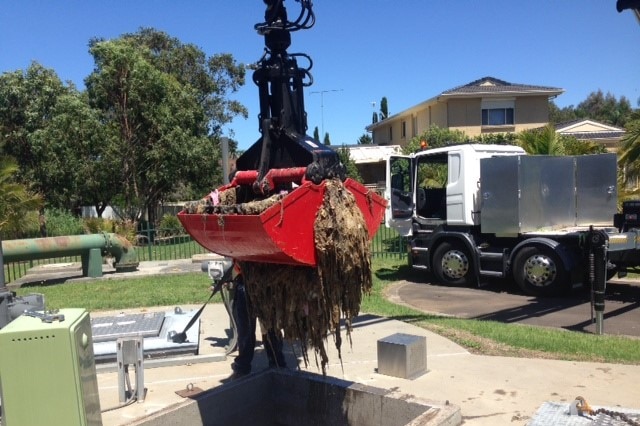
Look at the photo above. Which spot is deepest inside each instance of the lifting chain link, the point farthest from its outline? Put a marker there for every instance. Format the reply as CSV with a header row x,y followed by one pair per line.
x,y
585,409
616,414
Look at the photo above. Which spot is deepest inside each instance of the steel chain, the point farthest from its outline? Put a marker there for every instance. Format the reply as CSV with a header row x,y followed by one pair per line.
x,y
616,414
583,407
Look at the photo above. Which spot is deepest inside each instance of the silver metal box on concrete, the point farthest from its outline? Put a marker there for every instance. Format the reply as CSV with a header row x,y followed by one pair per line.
x,y
540,193
402,355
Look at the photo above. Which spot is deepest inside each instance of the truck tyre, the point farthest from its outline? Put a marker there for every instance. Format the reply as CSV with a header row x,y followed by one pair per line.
x,y
452,264
539,271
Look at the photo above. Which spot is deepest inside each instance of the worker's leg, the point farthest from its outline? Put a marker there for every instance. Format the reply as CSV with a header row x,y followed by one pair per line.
x,y
273,347
272,342
246,325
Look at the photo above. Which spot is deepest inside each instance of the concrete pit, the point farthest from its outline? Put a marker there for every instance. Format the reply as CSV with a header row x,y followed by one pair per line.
x,y
283,398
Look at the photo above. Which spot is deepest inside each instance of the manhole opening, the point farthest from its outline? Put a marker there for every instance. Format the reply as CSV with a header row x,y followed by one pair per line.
x,y
286,397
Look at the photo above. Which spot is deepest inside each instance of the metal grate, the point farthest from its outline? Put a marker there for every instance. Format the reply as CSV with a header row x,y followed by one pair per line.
x,y
557,414
110,328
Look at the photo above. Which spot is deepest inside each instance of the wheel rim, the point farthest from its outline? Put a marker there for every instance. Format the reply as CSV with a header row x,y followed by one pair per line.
x,y
540,270
455,264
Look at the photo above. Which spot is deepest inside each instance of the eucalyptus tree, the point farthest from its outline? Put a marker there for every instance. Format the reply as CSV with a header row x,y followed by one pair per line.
x,y
81,162
164,103
605,108
561,115
27,102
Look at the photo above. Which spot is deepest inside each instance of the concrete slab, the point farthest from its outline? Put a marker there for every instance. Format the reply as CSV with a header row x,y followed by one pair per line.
x,y
488,390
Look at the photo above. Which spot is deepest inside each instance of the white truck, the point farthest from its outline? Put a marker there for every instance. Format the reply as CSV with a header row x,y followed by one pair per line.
x,y
477,210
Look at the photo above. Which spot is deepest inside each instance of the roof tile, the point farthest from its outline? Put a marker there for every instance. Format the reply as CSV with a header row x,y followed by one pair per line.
x,y
495,85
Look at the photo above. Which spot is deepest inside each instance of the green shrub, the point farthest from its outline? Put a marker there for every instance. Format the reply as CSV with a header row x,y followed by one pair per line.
x,y
60,222
93,225
170,225
96,225
108,225
126,228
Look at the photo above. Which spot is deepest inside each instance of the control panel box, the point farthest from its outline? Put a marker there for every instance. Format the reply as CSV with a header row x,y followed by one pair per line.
x,y
47,371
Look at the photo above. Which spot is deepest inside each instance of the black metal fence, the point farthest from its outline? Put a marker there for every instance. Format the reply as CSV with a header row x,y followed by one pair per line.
x,y
168,244
171,244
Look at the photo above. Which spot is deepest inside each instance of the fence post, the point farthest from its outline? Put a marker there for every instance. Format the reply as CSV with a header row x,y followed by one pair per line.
x,y
148,232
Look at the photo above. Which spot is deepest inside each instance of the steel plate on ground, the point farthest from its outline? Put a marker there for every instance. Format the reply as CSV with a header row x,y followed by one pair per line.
x,y
557,414
154,327
112,327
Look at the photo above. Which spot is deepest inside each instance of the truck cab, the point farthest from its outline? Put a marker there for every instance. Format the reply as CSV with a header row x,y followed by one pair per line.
x,y
438,186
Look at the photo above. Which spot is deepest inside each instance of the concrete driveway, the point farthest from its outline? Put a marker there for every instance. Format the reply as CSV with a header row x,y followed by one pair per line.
x,y
499,301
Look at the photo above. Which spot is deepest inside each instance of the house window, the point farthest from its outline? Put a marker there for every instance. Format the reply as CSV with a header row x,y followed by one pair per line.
x,y
497,117
390,133
414,126
403,131
498,112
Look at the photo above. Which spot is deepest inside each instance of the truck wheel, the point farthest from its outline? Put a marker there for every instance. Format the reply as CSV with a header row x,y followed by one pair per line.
x,y
539,271
451,264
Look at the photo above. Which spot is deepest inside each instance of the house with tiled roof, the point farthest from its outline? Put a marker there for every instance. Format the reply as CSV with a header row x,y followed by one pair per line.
x,y
486,105
592,131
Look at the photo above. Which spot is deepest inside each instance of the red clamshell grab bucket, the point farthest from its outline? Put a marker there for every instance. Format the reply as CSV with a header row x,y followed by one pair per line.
x,y
283,233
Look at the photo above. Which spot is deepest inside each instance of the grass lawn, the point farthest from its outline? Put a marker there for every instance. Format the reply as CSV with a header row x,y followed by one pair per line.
x,y
478,336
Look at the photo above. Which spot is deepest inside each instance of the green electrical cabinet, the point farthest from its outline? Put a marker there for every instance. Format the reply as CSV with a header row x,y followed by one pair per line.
x,y
47,371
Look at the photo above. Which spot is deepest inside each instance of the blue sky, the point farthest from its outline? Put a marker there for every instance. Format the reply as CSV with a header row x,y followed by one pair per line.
x,y
406,50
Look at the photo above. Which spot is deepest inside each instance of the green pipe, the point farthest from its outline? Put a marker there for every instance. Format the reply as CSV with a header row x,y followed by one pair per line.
x,y
74,245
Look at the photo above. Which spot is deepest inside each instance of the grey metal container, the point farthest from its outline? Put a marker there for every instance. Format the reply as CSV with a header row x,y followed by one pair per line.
x,y
545,193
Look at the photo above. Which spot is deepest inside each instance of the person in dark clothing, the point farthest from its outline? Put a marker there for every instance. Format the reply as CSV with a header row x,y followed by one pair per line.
x,y
246,325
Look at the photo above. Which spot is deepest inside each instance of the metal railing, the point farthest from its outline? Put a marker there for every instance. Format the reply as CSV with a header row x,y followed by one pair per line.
x,y
387,243
174,244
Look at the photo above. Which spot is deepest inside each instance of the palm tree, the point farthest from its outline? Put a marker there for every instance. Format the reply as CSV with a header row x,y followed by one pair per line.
x,y
15,199
630,149
541,141
628,155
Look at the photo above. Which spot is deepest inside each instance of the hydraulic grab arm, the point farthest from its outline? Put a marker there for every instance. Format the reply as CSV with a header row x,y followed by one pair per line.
x,y
268,212
282,118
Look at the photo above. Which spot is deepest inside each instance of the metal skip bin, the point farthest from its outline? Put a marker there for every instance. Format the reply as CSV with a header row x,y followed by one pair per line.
x,y
283,233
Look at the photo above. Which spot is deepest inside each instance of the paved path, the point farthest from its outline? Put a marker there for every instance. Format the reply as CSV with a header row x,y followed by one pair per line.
x,y
496,302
